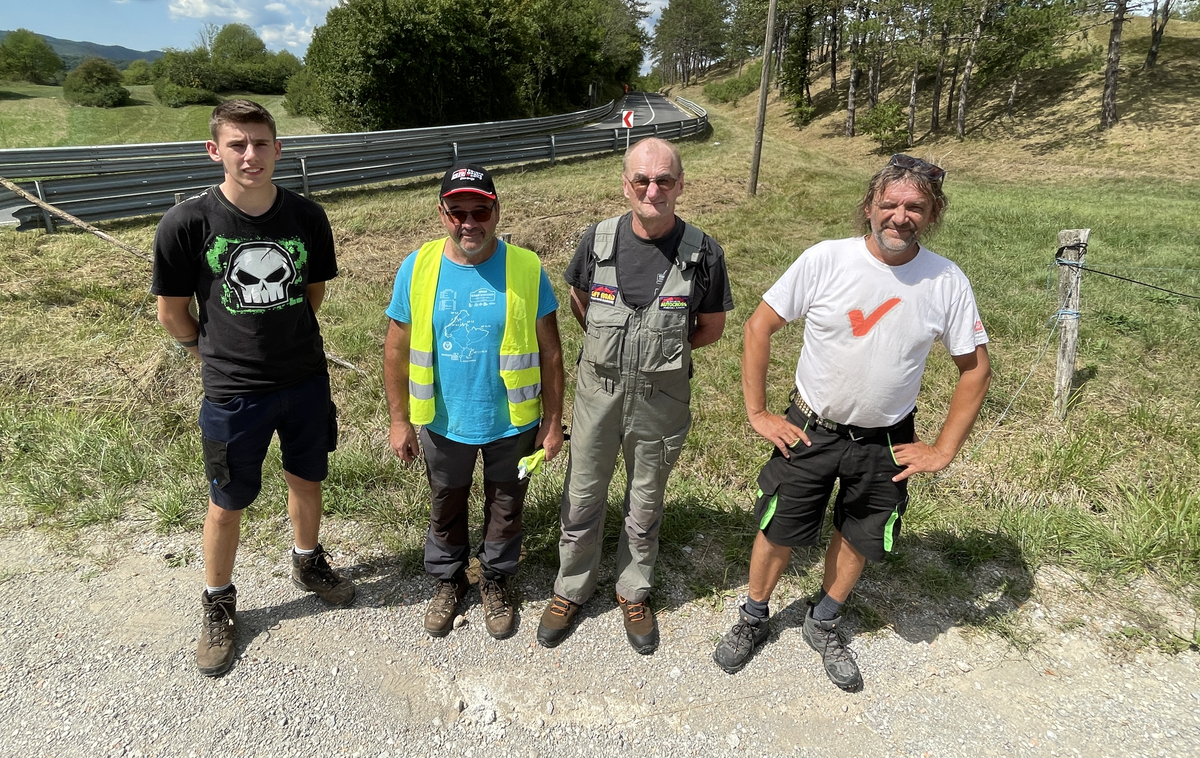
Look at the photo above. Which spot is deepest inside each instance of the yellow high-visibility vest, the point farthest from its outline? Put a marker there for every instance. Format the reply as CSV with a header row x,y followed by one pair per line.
x,y
520,365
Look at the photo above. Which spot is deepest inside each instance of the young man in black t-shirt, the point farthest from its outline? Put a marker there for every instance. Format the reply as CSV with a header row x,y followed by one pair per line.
x,y
256,258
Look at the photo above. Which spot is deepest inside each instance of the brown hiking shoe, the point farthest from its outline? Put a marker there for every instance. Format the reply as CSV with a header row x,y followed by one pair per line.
x,y
214,652
312,573
498,613
439,614
556,621
639,625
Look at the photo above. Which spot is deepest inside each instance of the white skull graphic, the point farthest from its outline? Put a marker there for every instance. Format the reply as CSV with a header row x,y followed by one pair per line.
x,y
259,274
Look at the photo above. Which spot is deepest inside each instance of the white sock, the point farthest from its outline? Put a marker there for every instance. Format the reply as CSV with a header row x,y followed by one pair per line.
x,y
303,552
214,590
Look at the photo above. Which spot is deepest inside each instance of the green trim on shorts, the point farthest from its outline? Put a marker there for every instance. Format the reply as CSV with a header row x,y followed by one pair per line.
x,y
890,450
889,530
770,512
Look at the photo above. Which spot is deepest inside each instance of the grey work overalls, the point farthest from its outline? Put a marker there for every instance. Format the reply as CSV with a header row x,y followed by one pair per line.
x,y
632,396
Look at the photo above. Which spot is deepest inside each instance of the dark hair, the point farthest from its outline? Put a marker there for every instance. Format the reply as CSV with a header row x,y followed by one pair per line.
x,y
891,174
240,112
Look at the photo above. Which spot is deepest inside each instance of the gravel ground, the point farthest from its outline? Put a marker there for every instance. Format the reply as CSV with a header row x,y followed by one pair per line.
x,y
98,659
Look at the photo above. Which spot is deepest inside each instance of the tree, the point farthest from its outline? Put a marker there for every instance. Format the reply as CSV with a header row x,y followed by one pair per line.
x,y
1108,100
95,83
237,43
1159,16
690,37
139,72
25,56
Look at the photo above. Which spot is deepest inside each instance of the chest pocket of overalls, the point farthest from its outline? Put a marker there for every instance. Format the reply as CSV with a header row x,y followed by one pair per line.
x,y
663,350
606,327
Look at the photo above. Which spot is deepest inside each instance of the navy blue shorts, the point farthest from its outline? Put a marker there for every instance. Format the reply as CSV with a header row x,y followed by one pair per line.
x,y
794,492
237,434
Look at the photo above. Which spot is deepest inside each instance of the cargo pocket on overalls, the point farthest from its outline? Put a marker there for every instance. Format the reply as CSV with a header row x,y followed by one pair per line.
x,y
333,427
768,494
216,462
665,351
605,336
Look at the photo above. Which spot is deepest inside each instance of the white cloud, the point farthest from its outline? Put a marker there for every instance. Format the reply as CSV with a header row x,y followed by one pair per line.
x,y
230,10
290,36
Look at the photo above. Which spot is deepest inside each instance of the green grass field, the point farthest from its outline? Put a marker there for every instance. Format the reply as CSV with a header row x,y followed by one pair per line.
x,y
35,116
97,406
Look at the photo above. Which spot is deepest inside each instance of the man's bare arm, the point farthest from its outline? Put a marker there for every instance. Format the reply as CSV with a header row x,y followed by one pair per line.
x,y
756,355
176,318
579,305
401,435
316,295
709,328
550,434
974,377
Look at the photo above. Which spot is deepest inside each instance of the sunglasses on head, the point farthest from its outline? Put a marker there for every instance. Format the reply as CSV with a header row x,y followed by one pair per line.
x,y
931,172
482,215
642,183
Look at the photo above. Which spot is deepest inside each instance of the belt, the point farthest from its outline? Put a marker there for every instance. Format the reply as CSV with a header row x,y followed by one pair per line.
x,y
856,433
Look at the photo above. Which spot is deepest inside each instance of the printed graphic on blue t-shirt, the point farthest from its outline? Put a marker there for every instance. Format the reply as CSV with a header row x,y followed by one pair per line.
x,y
470,401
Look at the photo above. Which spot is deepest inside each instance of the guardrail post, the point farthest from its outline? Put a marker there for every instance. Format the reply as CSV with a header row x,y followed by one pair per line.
x,y
506,238
304,176
178,198
45,213
553,149
455,146
656,130
616,140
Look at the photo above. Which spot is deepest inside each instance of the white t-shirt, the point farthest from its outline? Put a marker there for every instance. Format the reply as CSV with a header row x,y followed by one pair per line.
x,y
869,327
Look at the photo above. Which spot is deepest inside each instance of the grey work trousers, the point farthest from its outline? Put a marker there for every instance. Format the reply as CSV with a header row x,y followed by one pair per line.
x,y
647,422
450,466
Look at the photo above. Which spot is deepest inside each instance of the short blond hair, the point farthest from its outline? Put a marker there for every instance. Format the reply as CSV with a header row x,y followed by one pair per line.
x,y
655,142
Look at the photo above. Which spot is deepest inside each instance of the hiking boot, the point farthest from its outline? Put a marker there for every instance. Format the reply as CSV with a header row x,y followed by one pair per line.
x,y
443,606
312,573
640,628
214,652
556,621
738,645
498,613
826,639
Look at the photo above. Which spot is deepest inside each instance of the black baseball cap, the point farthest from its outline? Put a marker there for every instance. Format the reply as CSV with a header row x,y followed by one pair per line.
x,y
468,177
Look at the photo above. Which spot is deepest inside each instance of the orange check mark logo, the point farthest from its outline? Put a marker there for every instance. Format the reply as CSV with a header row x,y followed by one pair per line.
x,y
861,324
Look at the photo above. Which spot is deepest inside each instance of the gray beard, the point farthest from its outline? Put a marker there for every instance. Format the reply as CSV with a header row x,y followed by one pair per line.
x,y
887,247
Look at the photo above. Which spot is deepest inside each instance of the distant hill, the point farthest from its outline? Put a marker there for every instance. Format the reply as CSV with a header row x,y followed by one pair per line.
x,y
73,52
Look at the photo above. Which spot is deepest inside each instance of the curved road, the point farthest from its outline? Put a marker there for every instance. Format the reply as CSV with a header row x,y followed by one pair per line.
x,y
647,107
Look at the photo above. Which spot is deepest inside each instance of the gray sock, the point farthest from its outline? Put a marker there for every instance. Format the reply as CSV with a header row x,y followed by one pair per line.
x,y
827,609
757,608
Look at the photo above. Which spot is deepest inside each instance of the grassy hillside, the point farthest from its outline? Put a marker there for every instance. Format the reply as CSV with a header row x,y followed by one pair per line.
x,y
36,116
97,405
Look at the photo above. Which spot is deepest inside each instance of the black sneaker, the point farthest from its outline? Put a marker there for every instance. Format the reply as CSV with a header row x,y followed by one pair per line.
x,y
443,606
737,647
826,639
312,573
498,614
214,652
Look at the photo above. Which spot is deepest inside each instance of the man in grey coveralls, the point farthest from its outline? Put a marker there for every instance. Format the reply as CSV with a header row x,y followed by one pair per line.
x,y
648,288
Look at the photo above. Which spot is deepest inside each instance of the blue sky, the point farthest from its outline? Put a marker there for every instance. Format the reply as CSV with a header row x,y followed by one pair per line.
x,y
156,24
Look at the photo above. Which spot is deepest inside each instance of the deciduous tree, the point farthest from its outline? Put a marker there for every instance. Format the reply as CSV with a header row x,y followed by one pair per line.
x,y
27,57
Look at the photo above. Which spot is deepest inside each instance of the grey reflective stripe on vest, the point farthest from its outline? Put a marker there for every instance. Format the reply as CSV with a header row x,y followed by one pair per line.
x,y
519,362
522,394
420,358
420,391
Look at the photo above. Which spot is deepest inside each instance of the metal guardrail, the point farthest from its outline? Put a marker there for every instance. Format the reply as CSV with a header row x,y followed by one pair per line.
x,y
118,181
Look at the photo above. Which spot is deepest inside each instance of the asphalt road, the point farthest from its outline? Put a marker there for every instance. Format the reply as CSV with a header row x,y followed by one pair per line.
x,y
647,107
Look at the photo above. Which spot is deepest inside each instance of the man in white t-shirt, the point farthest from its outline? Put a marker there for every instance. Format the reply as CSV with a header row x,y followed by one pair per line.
x,y
872,308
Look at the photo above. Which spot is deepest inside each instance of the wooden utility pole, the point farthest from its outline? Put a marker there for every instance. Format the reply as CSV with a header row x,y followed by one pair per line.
x,y
1072,249
762,98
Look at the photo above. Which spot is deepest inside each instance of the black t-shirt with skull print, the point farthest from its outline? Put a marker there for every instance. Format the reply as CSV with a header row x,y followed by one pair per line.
x,y
249,275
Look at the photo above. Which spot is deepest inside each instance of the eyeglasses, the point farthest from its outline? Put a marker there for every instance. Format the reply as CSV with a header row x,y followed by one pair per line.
x,y
481,215
640,183
931,172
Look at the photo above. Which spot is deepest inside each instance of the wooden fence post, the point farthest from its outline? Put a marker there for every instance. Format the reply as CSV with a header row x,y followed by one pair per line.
x,y
1072,249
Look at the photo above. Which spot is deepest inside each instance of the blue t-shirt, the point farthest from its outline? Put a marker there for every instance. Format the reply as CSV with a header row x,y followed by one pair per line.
x,y
468,327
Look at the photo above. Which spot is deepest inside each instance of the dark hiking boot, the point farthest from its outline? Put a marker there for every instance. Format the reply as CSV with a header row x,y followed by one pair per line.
x,y
640,628
738,645
443,606
214,652
556,621
826,639
312,573
498,613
